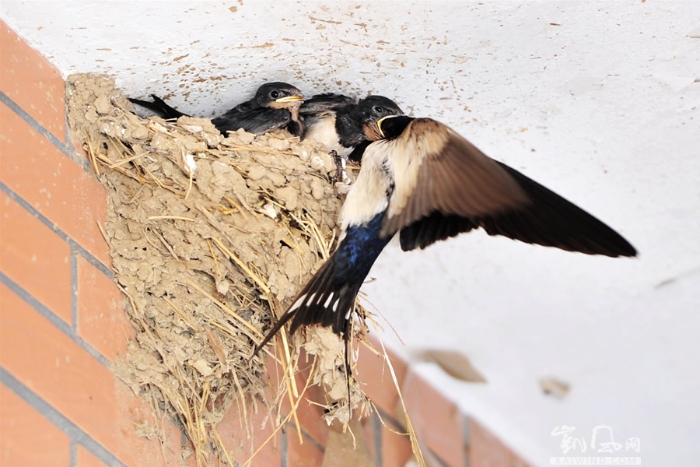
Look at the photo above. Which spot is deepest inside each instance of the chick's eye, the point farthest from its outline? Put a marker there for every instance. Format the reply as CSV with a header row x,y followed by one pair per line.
x,y
379,110
274,94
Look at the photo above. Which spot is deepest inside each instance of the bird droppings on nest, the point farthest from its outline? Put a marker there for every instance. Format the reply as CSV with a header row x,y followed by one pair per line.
x,y
210,236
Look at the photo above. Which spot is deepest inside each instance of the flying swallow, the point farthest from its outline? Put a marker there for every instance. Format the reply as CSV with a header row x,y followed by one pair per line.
x,y
425,182
339,122
275,105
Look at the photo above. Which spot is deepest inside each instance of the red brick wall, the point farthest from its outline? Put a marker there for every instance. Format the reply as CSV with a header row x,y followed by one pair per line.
x,y
62,322
61,317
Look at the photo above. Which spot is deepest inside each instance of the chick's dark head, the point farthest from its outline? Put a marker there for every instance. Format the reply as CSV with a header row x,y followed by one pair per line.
x,y
371,109
392,126
278,96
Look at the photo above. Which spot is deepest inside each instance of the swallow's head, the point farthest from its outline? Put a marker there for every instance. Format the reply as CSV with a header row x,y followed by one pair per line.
x,y
278,96
371,110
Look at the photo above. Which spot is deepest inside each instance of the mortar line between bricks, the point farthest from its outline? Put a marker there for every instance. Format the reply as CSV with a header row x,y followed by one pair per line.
x,y
73,453
312,440
64,147
68,139
74,289
307,436
388,419
438,458
466,438
76,434
89,257
53,318
283,448
377,440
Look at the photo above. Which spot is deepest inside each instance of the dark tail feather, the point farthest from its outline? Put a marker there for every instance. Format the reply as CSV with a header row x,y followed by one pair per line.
x,y
348,369
326,300
160,107
329,297
271,333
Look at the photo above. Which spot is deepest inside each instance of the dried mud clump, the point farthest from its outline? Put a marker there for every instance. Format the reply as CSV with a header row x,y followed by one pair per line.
x,y
210,237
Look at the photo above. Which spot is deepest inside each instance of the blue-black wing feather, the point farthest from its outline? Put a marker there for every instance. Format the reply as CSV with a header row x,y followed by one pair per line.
x,y
257,120
159,106
325,102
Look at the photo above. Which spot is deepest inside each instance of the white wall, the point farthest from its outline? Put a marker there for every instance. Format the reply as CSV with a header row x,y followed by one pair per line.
x,y
603,107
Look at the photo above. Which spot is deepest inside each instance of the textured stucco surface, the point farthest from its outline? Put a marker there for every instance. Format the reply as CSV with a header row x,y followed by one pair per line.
x,y
599,101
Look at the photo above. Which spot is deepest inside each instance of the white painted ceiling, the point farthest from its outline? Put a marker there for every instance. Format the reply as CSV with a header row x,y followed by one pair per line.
x,y
598,100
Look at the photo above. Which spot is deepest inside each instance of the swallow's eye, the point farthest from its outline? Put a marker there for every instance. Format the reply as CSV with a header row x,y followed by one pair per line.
x,y
274,94
379,110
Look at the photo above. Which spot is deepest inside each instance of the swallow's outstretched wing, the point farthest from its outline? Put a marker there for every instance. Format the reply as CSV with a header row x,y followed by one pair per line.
x,y
444,186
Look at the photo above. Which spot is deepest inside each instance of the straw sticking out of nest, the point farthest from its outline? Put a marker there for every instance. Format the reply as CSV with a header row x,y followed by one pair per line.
x,y
210,237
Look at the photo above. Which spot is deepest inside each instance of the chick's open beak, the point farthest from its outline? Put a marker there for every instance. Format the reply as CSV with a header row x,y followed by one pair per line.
x,y
379,124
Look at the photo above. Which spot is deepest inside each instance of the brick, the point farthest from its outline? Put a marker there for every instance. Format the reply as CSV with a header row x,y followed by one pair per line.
x,y
53,184
133,413
35,257
102,320
32,82
486,450
396,448
243,437
307,454
28,439
374,376
347,449
66,377
87,459
310,414
368,424
437,421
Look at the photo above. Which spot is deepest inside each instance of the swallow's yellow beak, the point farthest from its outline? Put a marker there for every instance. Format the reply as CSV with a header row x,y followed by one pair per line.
x,y
290,99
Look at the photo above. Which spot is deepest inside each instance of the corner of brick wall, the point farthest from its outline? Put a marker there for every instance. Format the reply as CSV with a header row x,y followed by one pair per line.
x,y
62,322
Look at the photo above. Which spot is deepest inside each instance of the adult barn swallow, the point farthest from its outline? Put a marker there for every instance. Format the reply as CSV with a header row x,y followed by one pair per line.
x,y
275,105
340,123
424,181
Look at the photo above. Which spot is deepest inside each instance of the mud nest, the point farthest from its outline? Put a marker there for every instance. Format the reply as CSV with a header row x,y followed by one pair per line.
x,y
210,237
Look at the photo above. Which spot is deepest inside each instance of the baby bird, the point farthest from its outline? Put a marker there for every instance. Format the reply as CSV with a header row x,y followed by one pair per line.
x,y
275,105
